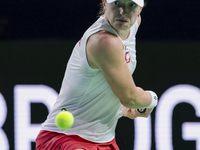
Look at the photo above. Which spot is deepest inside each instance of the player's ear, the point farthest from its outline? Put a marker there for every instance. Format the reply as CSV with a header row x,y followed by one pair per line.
x,y
140,10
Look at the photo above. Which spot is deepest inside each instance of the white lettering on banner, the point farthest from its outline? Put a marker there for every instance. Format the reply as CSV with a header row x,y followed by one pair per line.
x,y
4,144
191,131
25,132
24,95
164,112
142,133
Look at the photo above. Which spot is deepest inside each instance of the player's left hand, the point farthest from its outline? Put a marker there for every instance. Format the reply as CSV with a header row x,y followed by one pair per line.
x,y
133,113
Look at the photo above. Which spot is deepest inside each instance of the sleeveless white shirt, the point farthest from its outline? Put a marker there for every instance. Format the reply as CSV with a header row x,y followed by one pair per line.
x,y
86,93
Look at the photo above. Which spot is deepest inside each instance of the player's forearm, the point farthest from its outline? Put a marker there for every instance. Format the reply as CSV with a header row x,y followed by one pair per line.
x,y
138,99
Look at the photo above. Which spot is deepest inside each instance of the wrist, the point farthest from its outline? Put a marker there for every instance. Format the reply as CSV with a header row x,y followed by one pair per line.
x,y
154,99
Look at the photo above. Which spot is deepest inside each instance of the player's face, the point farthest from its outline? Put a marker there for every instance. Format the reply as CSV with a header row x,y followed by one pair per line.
x,y
122,14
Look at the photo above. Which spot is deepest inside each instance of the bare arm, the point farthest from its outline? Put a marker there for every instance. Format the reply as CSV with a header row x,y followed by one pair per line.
x,y
105,51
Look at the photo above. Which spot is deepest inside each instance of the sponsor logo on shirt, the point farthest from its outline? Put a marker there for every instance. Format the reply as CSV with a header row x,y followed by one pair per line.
x,y
127,54
127,57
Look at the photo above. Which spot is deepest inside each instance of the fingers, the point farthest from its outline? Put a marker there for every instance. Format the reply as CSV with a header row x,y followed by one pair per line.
x,y
132,113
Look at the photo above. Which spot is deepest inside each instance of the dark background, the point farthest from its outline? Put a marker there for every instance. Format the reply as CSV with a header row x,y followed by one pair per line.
x,y
161,20
37,38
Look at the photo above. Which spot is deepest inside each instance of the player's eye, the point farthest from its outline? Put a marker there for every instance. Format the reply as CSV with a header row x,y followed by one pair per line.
x,y
116,3
132,5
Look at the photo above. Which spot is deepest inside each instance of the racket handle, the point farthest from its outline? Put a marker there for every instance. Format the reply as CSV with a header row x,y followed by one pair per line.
x,y
141,110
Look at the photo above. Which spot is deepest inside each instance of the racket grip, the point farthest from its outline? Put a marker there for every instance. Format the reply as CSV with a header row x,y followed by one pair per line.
x,y
141,110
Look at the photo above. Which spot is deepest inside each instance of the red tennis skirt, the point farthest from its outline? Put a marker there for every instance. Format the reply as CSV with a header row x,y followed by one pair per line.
x,y
47,140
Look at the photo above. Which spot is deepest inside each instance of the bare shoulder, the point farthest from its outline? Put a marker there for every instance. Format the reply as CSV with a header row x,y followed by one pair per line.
x,y
104,42
103,46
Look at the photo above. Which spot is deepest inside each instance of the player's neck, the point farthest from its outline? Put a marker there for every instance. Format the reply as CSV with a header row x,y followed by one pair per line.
x,y
124,34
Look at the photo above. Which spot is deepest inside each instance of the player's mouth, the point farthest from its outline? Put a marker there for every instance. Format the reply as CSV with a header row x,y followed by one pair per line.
x,y
122,20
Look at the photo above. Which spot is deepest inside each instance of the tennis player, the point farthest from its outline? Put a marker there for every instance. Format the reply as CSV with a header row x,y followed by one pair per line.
x,y
98,87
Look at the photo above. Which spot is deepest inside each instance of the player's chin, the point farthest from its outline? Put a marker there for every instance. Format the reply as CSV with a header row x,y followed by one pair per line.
x,y
122,26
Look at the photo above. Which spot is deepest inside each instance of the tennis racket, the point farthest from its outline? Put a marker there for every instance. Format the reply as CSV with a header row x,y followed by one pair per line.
x,y
141,110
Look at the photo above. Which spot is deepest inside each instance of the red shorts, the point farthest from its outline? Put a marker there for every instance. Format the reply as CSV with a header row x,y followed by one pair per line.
x,y
47,140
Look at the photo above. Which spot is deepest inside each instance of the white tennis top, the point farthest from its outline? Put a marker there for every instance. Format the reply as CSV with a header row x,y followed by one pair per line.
x,y
86,93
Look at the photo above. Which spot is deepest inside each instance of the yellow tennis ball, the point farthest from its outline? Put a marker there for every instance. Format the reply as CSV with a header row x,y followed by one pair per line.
x,y
64,120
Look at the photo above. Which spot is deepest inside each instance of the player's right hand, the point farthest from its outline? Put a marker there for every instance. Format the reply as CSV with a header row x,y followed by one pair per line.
x,y
133,113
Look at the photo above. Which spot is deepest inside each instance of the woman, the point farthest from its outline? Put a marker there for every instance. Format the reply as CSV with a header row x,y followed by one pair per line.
x,y
98,87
